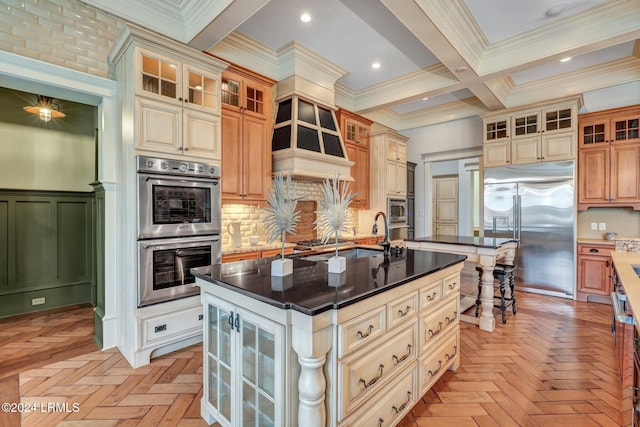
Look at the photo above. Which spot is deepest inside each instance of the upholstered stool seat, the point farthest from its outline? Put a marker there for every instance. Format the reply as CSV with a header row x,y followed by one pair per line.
x,y
503,275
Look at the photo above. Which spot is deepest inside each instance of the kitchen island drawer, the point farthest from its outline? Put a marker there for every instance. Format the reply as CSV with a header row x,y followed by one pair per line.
x,y
433,364
402,309
365,371
430,295
434,325
398,398
360,330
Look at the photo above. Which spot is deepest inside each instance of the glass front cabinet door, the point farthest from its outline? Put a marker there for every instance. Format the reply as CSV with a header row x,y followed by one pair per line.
x,y
243,365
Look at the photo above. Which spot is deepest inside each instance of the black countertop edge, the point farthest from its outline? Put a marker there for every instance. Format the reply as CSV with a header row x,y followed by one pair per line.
x,y
206,274
479,242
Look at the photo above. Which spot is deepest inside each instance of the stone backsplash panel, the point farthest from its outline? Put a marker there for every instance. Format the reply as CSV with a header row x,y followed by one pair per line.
x,y
627,244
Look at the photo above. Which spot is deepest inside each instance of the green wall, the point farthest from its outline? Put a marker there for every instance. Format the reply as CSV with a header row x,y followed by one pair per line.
x,y
46,250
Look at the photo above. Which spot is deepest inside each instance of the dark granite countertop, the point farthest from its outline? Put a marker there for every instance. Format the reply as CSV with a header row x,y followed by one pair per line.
x,y
480,242
310,289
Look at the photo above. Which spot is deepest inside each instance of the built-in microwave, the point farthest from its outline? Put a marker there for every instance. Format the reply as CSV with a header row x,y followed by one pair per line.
x,y
177,198
164,266
397,211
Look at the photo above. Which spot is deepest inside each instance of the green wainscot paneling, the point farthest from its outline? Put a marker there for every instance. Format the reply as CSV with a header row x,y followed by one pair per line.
x,y
46,250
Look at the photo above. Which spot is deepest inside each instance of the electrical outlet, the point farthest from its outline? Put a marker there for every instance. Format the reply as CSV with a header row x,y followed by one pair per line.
x,y
37,301
594,225
602,226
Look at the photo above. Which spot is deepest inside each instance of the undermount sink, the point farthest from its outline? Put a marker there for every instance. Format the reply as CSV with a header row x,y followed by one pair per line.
x,y
636,268
349,254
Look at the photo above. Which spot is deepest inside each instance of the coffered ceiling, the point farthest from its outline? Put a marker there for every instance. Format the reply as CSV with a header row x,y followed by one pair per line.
x,y
440,60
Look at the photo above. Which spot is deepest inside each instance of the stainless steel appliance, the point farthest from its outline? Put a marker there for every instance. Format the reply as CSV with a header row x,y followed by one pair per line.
x,y
164,266
535,205
397,211
177,198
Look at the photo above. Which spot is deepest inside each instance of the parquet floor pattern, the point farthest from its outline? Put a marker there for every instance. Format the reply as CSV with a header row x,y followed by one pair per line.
x,y
552,364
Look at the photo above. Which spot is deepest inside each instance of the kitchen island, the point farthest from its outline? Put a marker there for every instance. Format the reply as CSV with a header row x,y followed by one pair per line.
x,y
483,250
320,349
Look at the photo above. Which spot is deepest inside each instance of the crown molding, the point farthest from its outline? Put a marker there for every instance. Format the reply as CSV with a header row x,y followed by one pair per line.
x,y
614,73
599,27
249,53
296,59
198,14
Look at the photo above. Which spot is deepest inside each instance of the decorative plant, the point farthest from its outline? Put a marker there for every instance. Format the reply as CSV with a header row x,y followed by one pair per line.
x,y
333,215
281,215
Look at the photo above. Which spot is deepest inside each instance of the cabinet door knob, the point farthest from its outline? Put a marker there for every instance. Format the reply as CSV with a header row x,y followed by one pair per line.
x,y
186,149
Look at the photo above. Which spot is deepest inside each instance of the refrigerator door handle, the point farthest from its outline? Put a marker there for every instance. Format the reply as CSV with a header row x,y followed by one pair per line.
x,y
519,216
515,216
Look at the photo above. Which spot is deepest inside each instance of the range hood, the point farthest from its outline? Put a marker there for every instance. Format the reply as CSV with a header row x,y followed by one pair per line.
x,y
307,141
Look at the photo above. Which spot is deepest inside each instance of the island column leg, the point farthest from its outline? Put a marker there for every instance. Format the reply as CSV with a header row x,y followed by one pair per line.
x,y
487,322
311,340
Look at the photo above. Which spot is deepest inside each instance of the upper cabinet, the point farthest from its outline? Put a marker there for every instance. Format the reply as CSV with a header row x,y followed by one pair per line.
x,y
388,166
246,130
177,106
355,131
609,158
541,133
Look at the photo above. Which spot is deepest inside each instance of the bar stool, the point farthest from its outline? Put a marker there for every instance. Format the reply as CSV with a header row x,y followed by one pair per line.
x,y
503,274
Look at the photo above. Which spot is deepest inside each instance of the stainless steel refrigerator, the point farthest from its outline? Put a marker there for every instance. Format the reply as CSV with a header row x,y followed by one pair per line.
x,y
535,204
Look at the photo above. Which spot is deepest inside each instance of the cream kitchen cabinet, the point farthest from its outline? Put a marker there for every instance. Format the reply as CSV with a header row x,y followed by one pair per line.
x,y
244,365
177,107
165,128
388,166
540,133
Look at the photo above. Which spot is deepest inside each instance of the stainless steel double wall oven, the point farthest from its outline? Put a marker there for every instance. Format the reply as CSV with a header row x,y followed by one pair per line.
x,y
179,222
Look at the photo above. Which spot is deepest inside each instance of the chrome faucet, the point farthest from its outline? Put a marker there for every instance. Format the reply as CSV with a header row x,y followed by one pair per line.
x,y
386,243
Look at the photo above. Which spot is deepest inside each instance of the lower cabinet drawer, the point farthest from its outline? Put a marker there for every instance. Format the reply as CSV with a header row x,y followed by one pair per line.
x,y
363,373
361,330
434,364
398,397
171,326
434,325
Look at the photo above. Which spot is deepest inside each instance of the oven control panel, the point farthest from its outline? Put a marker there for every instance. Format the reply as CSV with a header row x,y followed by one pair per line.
x,y
177,167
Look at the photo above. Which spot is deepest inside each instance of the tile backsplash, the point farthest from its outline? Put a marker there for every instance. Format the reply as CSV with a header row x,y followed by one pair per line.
x,y
252,216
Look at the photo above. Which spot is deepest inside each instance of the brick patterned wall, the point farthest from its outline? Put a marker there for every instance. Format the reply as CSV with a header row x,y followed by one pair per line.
x,y
253,216
67,33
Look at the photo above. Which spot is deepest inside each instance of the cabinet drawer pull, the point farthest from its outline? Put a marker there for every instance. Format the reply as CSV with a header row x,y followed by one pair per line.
x,y
366,334
455,316
594,250
200,316
453,285
451,356
380,422
434,373
403,357
405,312
404,405
160,328
432,296
373,380
432,333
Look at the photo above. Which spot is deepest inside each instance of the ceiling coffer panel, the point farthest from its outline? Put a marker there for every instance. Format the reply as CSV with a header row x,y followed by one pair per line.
x,y
307,141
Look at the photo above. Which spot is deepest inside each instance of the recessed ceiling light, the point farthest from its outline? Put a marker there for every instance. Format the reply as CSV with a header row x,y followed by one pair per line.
x,y
567,59
556,9
425,98
305,17
460,69
375,65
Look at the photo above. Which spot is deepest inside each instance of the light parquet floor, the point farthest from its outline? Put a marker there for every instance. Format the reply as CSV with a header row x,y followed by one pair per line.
x,y
552,364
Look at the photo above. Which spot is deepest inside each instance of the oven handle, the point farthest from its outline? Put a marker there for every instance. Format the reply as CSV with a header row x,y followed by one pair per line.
x,y
186,252
214,181
618,314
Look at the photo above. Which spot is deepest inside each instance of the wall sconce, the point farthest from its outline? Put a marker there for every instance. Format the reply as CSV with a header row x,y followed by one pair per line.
x,y
45,108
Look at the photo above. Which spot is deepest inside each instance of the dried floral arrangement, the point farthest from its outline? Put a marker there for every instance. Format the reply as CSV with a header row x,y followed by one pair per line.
x,y
333,215
281,215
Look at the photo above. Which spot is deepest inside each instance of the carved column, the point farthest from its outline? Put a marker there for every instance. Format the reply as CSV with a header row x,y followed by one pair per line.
x,y
487,322
311,340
